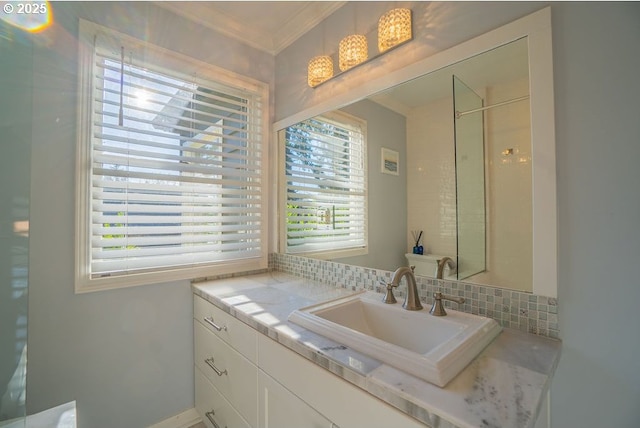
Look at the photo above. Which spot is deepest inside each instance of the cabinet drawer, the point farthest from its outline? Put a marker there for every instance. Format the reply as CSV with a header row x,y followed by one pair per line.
x,y
230,372
215,410
237,334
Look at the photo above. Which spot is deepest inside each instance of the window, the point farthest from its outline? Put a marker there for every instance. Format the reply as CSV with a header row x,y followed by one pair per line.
x,y
325,186
170,166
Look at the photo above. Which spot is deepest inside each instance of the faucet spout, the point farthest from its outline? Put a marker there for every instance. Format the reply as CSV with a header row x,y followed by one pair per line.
x,y
441,264
412,300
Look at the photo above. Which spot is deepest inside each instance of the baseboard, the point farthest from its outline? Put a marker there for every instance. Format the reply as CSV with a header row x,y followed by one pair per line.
x,y
183,420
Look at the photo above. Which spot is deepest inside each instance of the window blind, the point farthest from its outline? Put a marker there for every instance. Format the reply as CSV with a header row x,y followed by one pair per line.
x,y
325,168
175,169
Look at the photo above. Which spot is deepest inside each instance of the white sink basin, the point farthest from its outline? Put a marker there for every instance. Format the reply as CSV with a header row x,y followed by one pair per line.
x,y
432,348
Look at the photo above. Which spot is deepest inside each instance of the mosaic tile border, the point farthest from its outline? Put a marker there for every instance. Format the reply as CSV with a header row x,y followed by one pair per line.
x,y
511,309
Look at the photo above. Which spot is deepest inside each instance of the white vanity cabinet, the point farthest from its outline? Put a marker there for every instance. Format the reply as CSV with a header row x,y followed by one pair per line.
x,y
230,389
225,370
245,379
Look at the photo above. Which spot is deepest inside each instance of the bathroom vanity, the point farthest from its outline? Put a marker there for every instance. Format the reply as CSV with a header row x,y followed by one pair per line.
x,y
245,379
254,368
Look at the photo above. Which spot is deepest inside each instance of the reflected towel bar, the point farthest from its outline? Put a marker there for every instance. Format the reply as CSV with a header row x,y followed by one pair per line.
x,y
459,114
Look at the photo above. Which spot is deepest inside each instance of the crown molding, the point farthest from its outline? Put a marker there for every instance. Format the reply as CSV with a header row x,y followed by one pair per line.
x,y
307,16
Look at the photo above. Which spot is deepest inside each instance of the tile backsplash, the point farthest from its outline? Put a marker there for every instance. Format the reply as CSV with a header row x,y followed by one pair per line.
x,y
512,309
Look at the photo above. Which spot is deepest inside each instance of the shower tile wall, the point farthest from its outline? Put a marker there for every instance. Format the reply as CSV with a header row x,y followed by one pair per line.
x,y
431,181
508,149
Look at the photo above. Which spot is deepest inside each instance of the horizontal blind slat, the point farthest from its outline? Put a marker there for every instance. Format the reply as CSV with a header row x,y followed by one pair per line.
x,y
134,165
132,113
231,151
103,229
225,93
131,123
103,268
100,172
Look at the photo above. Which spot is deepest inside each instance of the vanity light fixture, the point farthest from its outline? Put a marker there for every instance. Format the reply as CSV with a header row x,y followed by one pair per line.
x,y
320,69
394,27
352,51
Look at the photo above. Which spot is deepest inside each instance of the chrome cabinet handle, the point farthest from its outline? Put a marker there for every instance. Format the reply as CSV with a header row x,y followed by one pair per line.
x,y
210,416
211,322
209,362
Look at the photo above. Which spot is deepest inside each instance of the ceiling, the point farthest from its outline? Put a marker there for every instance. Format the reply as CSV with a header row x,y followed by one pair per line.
x,y
270,26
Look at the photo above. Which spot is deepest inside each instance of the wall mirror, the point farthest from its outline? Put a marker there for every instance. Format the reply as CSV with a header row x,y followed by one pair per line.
x,y
473,126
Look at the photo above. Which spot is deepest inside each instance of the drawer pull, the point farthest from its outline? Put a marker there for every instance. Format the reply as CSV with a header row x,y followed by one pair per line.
x,y
209,320
210,416
209,362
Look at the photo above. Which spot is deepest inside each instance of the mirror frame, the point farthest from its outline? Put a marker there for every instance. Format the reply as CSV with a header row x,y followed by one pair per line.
x,y
536,27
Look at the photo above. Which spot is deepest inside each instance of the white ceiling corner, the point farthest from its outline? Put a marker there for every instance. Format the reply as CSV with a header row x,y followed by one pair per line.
x,y
269,26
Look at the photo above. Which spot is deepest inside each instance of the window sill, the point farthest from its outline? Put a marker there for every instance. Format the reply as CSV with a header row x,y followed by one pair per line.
x,y
85,285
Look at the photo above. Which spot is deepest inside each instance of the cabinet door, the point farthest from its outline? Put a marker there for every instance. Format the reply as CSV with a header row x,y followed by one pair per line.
x,y
345,404
215,410
279,408
544,417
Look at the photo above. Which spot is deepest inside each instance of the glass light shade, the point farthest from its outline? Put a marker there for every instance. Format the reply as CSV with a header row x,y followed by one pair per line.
x,y
320,69
394,27
352,51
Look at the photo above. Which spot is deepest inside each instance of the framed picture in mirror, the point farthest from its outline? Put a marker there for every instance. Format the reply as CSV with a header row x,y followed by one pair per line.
x,y
390,161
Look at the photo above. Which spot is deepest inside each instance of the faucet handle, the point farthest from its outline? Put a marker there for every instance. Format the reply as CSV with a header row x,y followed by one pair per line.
x,y
438,309
389,297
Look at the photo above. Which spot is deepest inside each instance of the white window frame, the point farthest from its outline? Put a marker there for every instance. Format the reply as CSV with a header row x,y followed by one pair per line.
x,y
170,62
324,254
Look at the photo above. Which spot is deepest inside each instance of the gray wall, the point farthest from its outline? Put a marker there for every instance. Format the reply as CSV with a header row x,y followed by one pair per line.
x,y
598,147
596,65
387,193
16,62
125,355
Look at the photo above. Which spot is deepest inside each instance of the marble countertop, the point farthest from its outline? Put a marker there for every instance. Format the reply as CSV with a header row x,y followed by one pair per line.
x,y
503,387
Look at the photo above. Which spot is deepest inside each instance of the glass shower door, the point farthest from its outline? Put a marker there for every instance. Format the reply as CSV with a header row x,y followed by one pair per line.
x,y
16,68
470,181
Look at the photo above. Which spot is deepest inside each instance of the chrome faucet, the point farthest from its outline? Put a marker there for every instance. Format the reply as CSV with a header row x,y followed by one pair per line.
x,y
441,264
412,300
